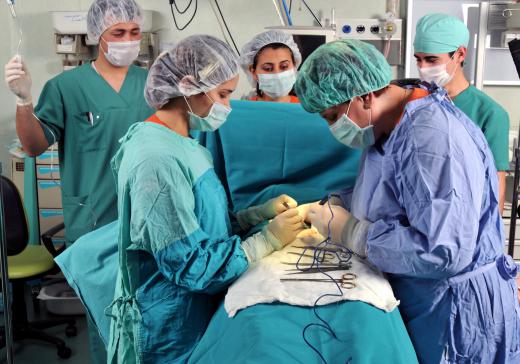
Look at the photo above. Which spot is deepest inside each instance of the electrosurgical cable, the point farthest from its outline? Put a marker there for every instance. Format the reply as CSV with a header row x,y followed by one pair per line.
x,y
344,256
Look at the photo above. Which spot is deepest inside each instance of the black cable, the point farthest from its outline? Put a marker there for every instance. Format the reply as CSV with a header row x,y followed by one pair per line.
x,y
177,8
227,29
312,13
290,6
189,21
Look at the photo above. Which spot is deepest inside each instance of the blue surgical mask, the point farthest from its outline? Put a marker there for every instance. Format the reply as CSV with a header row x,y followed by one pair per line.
x,y
349,133
277,85
216,117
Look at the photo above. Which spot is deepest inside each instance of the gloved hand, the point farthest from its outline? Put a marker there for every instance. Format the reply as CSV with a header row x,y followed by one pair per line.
x,y
286,226
280,231
320,216
256,214
345,229
18,80
304,209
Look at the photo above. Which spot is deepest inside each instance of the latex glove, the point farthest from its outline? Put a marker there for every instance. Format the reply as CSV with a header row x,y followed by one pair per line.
x,y
304,209
18,80
345,229
320,216
256,214
280,231
286,226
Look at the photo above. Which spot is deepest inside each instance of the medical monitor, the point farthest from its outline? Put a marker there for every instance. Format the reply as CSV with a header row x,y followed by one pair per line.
x,y
308,38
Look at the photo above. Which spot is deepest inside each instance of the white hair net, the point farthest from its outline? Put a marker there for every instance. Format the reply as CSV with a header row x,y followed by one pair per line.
x,y
251,49
103,14
197,64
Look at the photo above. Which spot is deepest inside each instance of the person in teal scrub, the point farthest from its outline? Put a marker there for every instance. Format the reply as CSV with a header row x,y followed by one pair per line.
x,y
440,48
87,110
176,247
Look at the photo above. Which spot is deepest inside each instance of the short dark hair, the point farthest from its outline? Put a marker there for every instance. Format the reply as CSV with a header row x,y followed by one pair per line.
x,y
451,55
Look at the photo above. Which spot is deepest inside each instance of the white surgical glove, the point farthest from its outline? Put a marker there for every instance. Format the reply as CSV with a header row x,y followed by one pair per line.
x,y
278,233
256,214
345,229
18,80
304,209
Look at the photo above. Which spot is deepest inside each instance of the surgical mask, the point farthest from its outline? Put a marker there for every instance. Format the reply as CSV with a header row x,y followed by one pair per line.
x,y
216,117
276,85
349,133
437,74
122,54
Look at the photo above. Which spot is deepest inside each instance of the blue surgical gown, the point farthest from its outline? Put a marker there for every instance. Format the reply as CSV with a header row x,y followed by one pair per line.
x,y
430,191
175,247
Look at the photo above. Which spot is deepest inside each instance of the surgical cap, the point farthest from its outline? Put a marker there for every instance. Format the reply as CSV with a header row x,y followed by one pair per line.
x,y
338,71
197,64
251,49
105,13
440,33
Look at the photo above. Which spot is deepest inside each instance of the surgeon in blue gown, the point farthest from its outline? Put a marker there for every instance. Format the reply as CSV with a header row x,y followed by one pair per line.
x,y
424,208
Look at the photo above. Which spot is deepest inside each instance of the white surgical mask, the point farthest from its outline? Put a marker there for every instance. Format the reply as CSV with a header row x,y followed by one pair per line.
x,y
122,54
437,74
346,131
216,117
277,85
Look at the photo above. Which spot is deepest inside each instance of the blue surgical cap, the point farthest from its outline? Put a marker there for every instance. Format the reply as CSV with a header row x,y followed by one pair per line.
x,y
338,71
440,33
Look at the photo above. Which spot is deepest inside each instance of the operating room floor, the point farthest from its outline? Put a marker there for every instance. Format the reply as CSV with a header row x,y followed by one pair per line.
x,y
35,352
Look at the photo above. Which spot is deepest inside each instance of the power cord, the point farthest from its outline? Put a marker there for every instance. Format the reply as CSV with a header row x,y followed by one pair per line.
x,y
227,28
312,13
172,4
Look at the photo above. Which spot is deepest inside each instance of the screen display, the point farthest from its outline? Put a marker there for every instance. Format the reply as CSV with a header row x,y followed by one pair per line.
x,y
308,43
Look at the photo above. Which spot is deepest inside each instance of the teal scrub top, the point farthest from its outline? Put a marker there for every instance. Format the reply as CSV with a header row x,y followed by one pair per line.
x,y
491,118
87,117
176,248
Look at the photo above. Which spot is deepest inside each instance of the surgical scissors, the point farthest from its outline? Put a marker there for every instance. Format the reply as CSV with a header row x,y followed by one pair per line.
x,y
347,280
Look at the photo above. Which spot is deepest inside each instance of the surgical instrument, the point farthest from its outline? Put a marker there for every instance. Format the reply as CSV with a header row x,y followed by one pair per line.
x,y
346,281
315,270
311,265
326,257
311,247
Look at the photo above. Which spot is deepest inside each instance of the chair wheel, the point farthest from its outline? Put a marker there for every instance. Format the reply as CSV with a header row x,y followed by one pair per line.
x,y
64,352
71,331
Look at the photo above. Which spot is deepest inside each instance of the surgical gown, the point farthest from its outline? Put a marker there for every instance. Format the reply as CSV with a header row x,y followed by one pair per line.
x,y
175,247
430,191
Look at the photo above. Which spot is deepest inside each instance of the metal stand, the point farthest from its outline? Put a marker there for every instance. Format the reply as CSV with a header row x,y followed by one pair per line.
x,y
514,47
514,203
5,280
